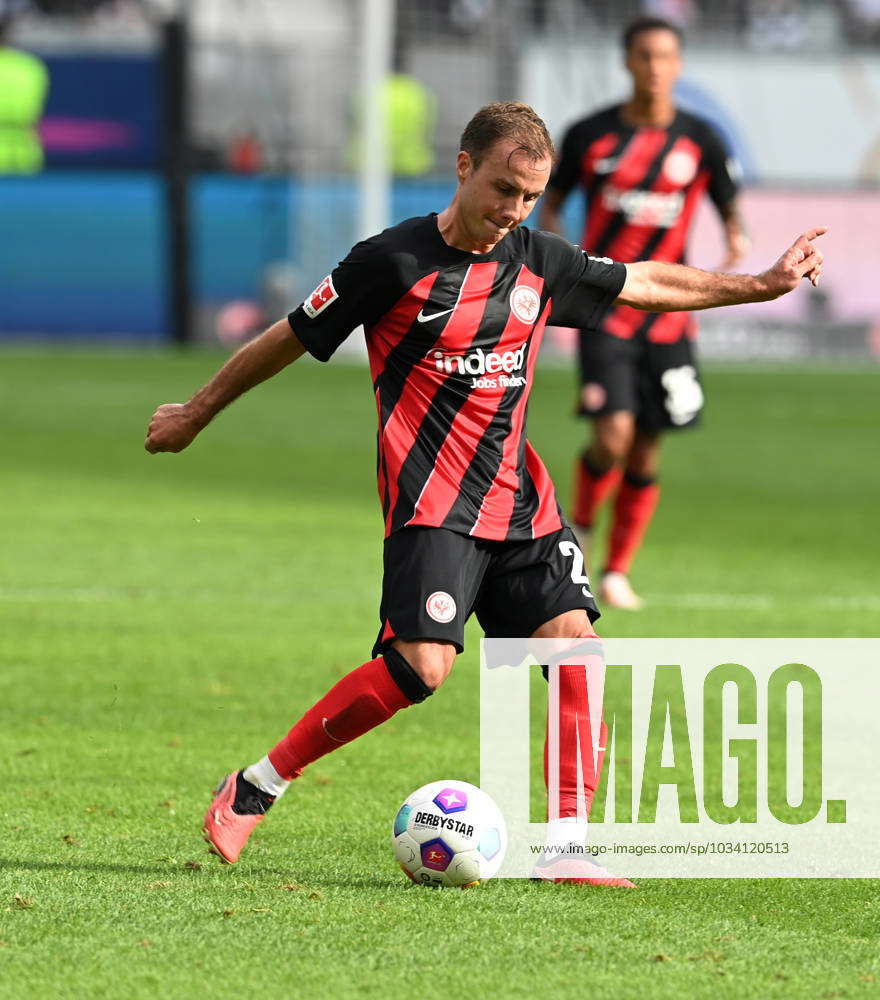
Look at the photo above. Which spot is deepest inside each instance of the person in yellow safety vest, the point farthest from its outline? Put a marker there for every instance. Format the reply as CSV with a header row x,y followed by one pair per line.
x,y
24,83
410,112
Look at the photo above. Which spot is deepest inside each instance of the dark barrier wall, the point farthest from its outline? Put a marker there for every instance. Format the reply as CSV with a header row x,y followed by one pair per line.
x,y
82,253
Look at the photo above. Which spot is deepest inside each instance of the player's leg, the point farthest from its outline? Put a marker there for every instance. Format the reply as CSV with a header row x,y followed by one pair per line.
x,y
571,701
539,589
403,675
574,687
363,699
634,508
598,471
611,442
670,397
608,398
428,590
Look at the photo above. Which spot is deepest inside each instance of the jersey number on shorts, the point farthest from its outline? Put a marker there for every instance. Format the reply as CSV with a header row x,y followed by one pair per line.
x,y
578,576
684,397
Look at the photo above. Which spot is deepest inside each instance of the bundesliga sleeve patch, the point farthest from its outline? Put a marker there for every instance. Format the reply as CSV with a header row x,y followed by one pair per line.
x,y
321,297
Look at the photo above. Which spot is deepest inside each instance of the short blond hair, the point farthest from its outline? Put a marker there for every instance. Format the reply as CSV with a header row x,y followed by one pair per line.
x,y
506,120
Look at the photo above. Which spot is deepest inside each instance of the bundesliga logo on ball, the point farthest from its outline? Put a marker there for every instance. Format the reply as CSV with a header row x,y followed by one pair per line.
x,y
449,833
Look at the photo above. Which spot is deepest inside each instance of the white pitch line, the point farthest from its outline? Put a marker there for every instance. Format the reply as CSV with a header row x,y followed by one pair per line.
x,y
711,601
708,601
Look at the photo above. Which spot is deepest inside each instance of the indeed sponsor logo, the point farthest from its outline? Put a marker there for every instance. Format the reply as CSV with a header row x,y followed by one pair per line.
x,y
645,208
480,362
484,365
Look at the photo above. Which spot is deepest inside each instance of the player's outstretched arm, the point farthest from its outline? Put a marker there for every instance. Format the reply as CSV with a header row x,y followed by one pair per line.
x,y
658,287
175,425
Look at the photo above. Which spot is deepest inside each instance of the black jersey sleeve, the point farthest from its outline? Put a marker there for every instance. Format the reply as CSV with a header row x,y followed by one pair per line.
x,y
723,169
357,292
582,287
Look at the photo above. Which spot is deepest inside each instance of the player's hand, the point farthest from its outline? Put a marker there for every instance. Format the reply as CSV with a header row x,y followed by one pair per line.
x,y
172,428
738,245
801,260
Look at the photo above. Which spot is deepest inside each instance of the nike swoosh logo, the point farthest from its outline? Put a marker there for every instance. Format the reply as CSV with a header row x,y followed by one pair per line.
x,y
422,318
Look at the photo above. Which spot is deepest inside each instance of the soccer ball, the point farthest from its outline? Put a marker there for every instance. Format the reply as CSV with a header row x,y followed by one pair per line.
x,y
449,833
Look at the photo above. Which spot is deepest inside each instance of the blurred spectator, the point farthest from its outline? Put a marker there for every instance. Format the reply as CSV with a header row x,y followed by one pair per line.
x,y
65,8
410,113
683,13
238,321
469,15
448,16
861,21
245,154
776,24
24,83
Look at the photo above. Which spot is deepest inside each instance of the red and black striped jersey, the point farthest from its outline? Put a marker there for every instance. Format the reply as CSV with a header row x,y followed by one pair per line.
x,y
642,187
452,339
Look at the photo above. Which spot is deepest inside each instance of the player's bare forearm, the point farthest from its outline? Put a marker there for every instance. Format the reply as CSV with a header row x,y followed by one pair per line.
x,y
257,361
736,236
175,425
659,287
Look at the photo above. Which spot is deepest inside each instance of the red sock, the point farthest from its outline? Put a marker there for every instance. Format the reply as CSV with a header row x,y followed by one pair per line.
x,y
633,510
362,700
591,490
568,777
574,727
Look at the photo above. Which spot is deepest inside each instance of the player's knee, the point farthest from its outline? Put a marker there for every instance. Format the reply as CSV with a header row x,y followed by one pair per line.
x,y
644,457
574,624
614,437
406,677
602,456
427,662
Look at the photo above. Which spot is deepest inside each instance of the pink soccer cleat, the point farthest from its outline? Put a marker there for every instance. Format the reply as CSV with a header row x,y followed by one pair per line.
x,y
570,867
237,808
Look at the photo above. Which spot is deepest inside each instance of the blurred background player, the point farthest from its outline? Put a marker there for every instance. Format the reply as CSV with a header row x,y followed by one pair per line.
x,y
644,167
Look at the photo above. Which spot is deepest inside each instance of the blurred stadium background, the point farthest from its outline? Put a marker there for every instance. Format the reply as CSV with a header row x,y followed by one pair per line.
x,y
207,162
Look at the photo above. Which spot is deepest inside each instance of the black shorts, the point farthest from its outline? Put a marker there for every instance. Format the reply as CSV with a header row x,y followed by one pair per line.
x,y
659,383
435,579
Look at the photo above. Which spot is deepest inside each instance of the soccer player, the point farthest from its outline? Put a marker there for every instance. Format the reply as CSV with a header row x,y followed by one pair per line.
x,y
454,307
644,166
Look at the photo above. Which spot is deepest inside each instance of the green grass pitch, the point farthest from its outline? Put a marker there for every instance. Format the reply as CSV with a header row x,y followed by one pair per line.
x,y
165,618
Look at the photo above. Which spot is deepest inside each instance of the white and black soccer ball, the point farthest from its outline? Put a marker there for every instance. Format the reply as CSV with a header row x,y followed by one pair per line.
x,y
449,833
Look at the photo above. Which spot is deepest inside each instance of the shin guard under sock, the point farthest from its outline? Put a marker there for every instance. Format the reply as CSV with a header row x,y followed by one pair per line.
x,y
362,700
